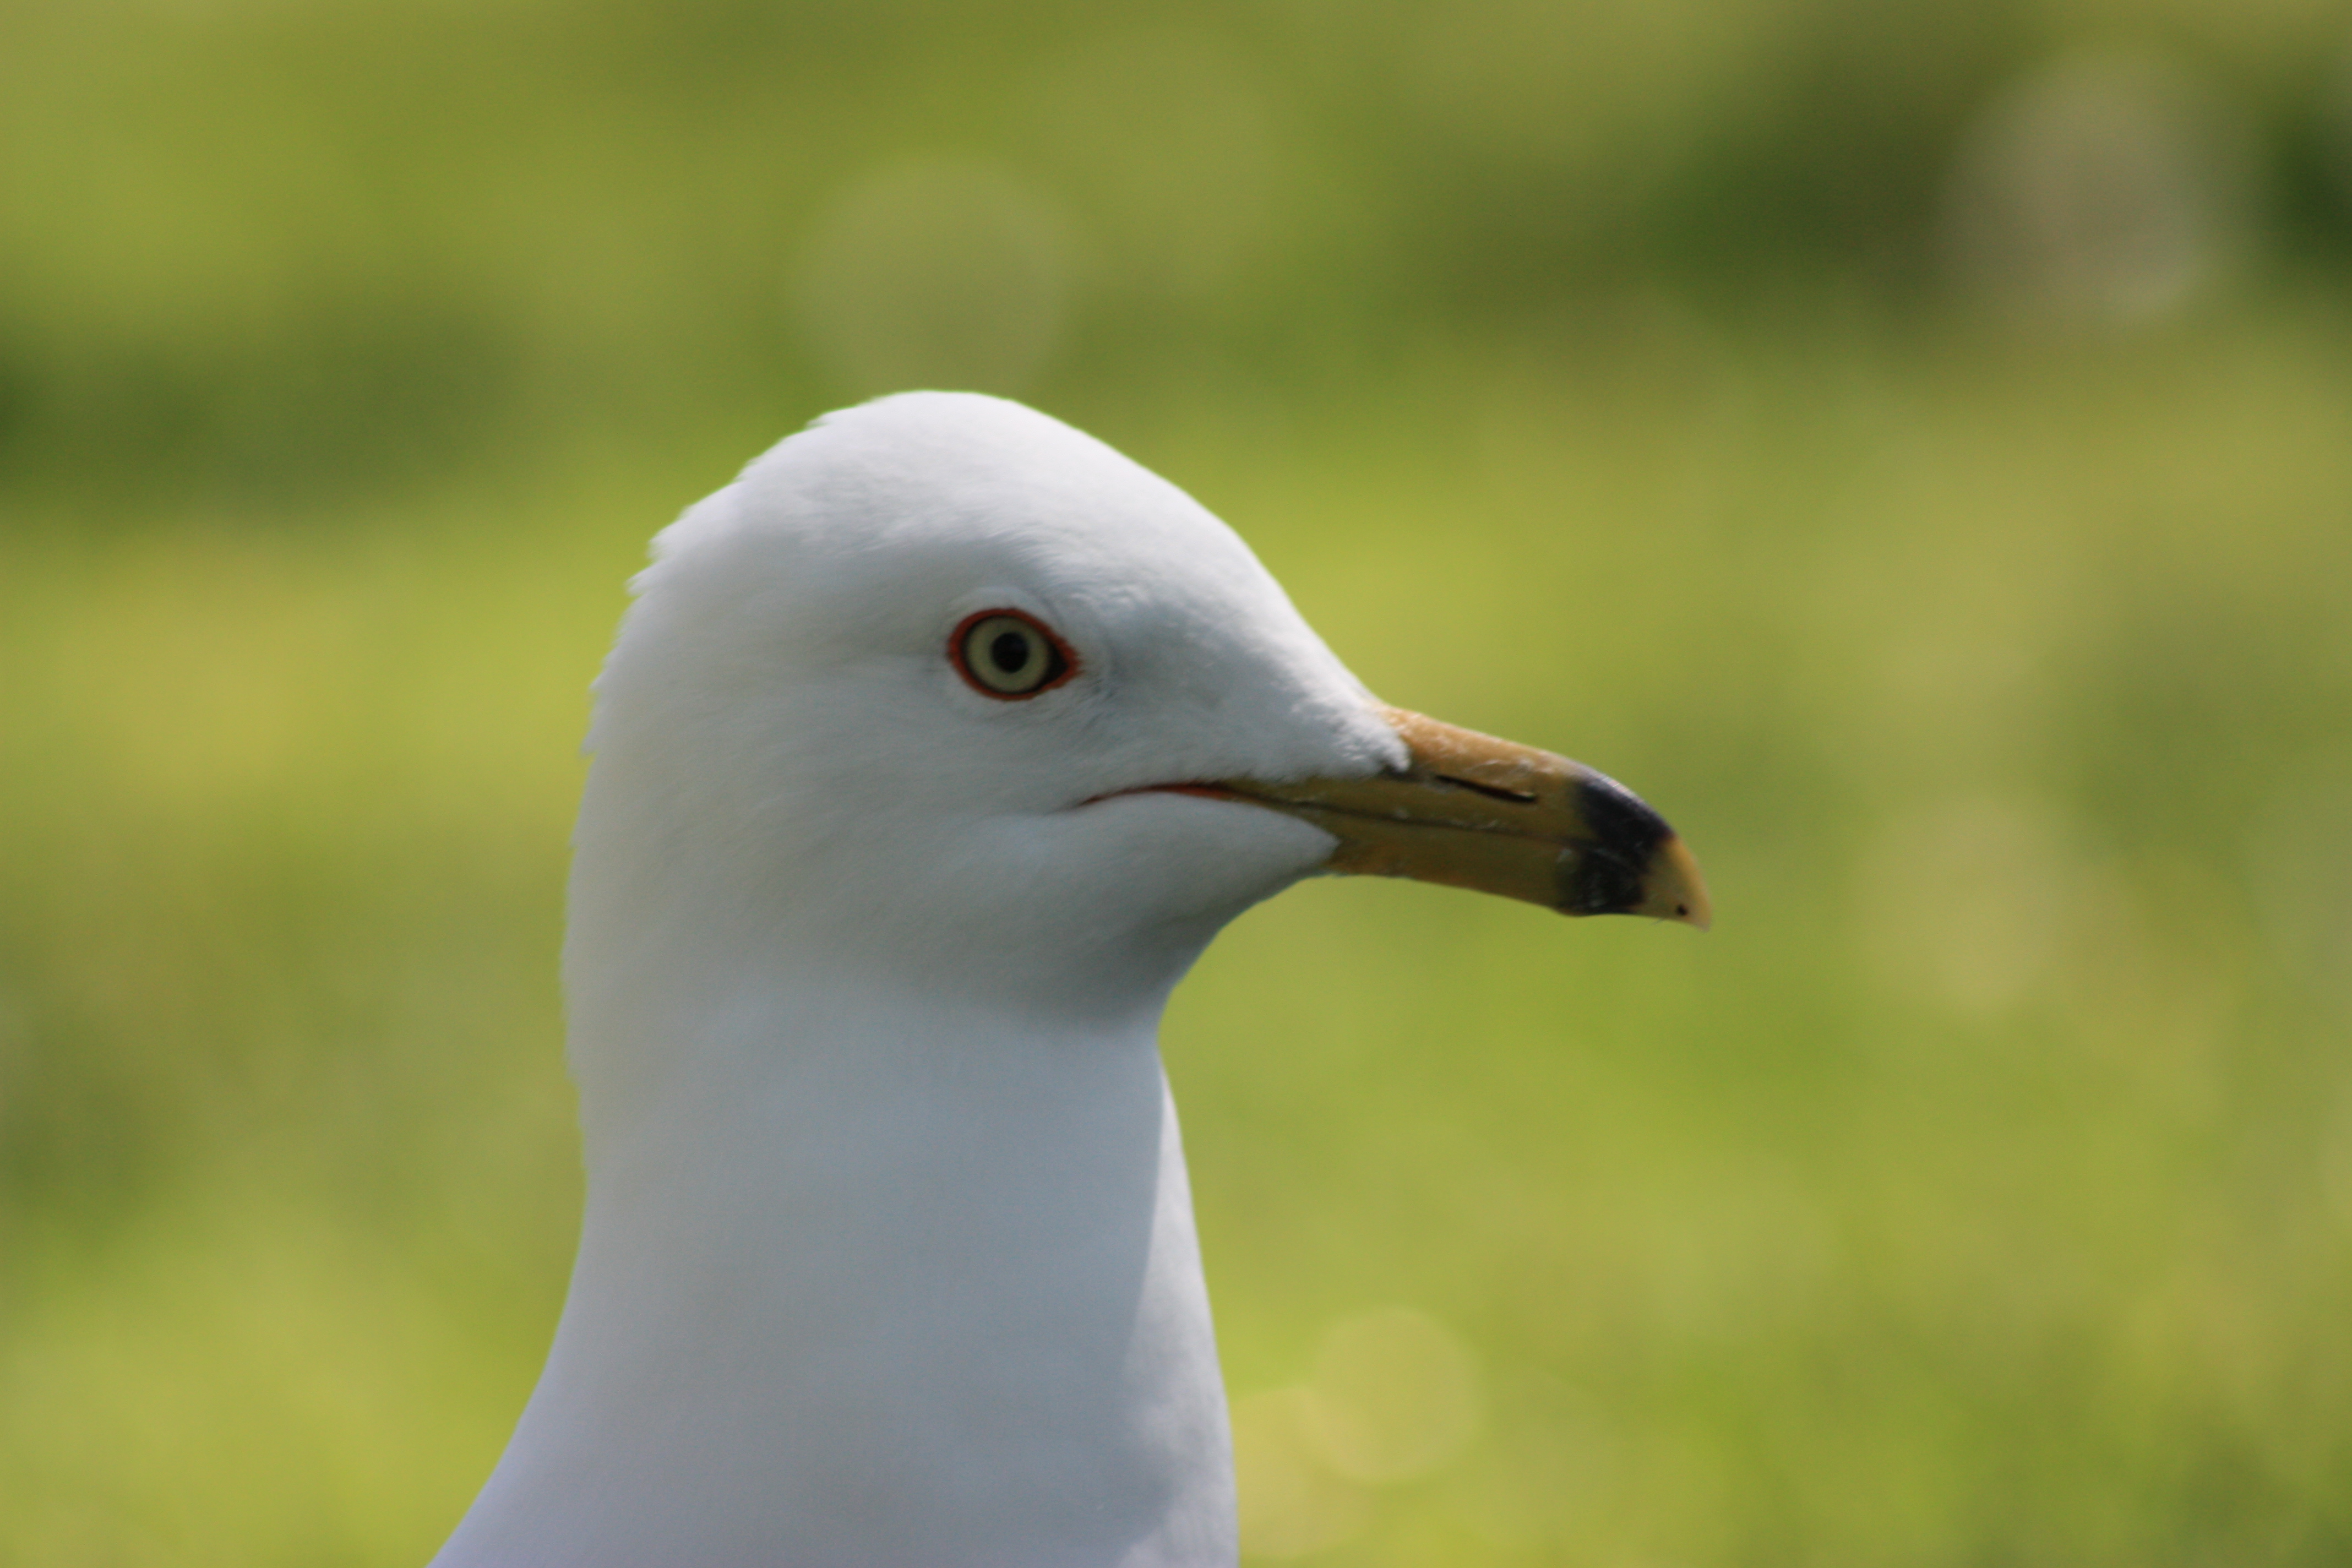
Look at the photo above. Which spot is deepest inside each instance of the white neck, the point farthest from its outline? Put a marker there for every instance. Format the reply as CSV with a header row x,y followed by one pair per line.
x,y
877,1284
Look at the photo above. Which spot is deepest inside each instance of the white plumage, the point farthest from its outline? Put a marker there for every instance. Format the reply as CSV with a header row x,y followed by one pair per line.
x,y
888,1257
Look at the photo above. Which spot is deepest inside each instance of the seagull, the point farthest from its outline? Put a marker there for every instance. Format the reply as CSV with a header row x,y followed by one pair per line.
x,y
931,755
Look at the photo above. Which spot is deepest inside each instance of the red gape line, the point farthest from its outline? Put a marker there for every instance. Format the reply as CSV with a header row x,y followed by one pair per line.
x,y
1205,791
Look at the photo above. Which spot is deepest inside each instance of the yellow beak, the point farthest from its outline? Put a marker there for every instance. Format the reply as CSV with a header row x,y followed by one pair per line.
x,y
1471,811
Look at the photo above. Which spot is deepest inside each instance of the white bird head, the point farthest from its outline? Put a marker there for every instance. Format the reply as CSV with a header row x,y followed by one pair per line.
x,y
804,737
790,720
932,752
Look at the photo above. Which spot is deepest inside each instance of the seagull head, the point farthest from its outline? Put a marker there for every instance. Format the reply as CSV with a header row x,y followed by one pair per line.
x,y
930,753
942,692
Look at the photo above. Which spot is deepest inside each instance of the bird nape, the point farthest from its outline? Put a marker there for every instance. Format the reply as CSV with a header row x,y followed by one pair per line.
x,y
932,752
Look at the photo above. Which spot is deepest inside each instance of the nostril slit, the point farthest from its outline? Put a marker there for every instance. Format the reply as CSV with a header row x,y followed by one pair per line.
x,y
1492,792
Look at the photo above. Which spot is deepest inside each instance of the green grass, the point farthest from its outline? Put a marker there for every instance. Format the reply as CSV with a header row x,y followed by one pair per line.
x,y
1978,1190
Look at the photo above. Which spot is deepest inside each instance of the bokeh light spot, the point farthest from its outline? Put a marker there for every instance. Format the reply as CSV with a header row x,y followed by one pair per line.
x,y
2099,191
1394,1395
950,273
1964,902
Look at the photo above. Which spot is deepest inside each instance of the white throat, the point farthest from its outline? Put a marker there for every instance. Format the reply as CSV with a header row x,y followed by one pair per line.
x,y
874,1281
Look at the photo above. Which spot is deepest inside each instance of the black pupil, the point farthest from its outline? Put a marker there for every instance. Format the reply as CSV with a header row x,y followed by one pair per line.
x,y
1010,650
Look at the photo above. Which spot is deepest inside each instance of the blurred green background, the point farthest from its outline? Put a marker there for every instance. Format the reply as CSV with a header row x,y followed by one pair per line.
x,y
1910,443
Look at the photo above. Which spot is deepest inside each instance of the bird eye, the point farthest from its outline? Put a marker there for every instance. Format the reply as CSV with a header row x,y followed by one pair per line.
x,y
1005,653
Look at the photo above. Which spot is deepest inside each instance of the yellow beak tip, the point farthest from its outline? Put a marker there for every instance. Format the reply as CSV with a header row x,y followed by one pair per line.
x,y
1677,891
